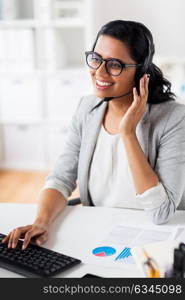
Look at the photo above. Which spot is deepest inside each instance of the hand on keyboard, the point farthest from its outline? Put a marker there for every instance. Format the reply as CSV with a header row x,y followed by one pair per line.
x,y
37,232
34,261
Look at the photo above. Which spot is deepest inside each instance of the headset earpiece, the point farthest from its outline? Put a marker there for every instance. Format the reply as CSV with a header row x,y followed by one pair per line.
x,y
149,56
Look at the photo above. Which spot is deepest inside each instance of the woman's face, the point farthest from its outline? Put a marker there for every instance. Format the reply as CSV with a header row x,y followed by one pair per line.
x,y
109,47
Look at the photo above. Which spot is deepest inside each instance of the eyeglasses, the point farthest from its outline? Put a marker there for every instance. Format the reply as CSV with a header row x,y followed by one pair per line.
x,y
113,66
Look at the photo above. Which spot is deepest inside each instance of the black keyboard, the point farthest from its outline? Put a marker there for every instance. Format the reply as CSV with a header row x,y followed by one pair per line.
x,y
34,261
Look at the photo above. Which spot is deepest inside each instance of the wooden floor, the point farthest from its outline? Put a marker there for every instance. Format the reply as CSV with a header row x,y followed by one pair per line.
x,y
22,186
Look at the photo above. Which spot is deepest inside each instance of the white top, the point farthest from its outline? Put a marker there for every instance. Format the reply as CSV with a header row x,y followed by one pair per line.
x,y
110,178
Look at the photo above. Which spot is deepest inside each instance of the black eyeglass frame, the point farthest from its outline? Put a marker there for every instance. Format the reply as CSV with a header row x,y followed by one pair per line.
x,y
123,65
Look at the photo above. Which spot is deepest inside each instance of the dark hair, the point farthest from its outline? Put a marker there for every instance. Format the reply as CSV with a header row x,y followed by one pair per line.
x,y
139,41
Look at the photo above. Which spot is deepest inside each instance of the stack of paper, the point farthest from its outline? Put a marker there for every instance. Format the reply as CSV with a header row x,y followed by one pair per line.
x,y
43,10
17,50
9,9
50,50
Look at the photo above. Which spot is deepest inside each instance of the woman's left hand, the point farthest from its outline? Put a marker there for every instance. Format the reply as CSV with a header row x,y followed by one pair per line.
x,y
133,115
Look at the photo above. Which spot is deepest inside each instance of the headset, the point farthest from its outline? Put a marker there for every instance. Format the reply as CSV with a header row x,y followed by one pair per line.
x,y
144,70
148,59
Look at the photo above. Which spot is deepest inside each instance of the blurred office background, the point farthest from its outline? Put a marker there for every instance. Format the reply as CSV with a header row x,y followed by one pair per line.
x,y
43,75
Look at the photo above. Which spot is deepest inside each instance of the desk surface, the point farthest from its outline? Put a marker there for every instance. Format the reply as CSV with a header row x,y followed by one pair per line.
x,y
76,228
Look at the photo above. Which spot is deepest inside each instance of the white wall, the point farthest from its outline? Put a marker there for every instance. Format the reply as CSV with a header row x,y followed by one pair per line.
x,y
164,18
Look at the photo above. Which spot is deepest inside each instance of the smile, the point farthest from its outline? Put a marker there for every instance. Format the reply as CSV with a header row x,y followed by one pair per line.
x,y
102,85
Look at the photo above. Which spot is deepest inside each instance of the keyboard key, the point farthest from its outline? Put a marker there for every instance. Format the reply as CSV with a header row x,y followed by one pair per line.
x,y
34,261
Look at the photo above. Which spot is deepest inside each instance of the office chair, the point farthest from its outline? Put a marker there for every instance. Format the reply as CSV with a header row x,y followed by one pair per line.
x,y
74,201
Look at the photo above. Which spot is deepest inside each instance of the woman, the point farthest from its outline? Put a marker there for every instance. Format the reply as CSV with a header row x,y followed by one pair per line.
x,y
126,144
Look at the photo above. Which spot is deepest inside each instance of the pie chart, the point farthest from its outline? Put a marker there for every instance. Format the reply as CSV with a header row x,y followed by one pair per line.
x,y
103,251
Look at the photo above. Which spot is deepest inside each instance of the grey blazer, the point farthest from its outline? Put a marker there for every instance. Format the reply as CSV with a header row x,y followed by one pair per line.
x,y
161,134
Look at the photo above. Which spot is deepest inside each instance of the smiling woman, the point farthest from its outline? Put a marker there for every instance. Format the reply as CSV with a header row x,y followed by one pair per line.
x,y
117,68
126,143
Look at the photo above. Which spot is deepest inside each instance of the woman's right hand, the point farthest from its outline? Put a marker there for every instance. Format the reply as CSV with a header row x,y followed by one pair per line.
x,y
37,232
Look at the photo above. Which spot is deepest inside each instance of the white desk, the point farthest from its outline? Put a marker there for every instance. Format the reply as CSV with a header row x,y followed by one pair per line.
x,y
76,228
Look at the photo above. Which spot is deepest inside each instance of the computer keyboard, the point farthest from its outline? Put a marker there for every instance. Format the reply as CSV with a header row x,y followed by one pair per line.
x,y
34,261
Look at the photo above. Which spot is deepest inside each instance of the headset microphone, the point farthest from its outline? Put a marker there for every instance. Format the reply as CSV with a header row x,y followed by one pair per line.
x,y
110,98
107,99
